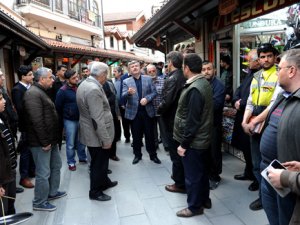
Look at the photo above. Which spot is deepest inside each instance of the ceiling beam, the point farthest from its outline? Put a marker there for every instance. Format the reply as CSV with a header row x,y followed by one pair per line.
x,y
187,28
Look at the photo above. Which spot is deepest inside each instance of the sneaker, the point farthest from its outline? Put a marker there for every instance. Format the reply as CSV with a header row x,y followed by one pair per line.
x,y
72,167
44,207
59,194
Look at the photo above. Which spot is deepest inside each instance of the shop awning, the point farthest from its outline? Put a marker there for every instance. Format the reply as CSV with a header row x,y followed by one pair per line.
x,y
19,34
70,49
179,20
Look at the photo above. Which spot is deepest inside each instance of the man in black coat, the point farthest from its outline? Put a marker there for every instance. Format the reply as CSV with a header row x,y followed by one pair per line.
x,y
26,167
167,110
240,139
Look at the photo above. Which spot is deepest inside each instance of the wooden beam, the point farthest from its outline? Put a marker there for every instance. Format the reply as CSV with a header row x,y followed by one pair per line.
x,y
76,61
187,29
4,42
31,57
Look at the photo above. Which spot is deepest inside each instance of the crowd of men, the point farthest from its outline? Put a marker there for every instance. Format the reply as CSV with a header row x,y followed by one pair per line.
x,y
182,109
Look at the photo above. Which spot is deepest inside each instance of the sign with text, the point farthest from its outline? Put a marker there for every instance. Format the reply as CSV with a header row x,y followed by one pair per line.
x,y
246,11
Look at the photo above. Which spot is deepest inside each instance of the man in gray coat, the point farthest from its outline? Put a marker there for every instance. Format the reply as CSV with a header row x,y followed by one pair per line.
x,y
96,129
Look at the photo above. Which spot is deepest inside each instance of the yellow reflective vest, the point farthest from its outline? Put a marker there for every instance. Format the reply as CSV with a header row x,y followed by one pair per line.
x,y
262,93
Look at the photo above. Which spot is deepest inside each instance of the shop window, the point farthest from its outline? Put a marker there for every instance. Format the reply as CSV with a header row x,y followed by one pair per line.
x,y
111,41
124,44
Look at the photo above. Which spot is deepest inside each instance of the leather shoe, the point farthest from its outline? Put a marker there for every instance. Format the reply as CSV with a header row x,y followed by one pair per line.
x,y
26,183
115,158
136,160
109,171
254,186
102,197
256,205
207,204
156,160
242,177
127,140
188,213
112,184
173,188
19,190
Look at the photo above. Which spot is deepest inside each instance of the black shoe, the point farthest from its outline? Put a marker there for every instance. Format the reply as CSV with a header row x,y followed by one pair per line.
x,y
242,177
254,186
127,140
112,184
207,204
102,197
136,160
256,205
19,190
156,160
109,171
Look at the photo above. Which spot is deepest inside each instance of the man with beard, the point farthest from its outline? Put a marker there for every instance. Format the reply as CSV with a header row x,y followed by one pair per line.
x,y
261,91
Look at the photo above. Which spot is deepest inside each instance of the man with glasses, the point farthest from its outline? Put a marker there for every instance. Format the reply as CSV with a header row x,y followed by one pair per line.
x,y
159,84
280,139
261,91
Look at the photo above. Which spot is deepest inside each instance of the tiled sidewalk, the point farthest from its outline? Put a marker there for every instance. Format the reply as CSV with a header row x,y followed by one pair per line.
x,y
140,197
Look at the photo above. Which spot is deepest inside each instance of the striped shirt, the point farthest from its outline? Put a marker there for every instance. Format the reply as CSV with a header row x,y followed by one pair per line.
x,y
159,84
9,140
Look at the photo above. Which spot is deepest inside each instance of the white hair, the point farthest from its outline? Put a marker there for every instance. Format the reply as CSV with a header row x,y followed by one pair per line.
x,y
98,68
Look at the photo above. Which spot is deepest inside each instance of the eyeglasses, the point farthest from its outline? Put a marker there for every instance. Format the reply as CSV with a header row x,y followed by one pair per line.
x,y
151,71
280,68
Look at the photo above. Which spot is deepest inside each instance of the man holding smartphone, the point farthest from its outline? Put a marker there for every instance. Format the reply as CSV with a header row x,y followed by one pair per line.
x,y
280,139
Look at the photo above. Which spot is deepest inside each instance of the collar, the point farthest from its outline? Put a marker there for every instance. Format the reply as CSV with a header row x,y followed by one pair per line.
x,y
267,73
193,78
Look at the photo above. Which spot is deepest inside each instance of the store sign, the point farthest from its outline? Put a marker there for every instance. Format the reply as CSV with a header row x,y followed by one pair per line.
x,y
227,6
262,23
248,10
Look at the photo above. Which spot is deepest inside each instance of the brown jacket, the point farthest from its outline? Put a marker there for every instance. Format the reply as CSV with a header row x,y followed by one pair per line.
x,y
292,180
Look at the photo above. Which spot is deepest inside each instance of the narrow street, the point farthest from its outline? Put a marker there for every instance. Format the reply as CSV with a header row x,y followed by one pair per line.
x,y
140,197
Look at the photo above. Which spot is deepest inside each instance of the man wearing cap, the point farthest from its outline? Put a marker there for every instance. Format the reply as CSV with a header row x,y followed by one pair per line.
x,y
261,91
68,113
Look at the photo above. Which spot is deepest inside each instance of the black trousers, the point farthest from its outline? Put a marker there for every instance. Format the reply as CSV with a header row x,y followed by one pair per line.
x,y
196,178
125,124
215,157
26,166
143,124
99,166
117,126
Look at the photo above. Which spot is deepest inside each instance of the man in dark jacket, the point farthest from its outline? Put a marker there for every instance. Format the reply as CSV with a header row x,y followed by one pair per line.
x,y
42,130
167,109
26,167
240,139
215,159
192,129
68,113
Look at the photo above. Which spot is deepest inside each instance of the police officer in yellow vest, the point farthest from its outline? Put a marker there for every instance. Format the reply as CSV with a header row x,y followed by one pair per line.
x,y
261,91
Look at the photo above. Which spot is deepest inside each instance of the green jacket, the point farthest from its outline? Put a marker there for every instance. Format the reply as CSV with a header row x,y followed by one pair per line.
x,y
192,130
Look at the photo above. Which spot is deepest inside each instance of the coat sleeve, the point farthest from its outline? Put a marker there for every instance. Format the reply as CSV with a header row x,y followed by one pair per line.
x,y
153,92
168,97
291,179
95,101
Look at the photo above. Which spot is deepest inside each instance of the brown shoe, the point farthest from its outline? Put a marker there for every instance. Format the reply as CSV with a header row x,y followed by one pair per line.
x,y
26,183
188,213
173,188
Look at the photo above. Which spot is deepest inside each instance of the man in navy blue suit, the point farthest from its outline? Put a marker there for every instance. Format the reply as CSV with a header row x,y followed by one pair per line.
x,y
139,92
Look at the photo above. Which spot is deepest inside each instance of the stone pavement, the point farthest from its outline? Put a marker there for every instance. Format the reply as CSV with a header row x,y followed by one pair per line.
x,y
140,197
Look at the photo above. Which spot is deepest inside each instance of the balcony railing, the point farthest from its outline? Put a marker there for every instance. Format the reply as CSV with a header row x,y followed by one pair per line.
x,y
45,3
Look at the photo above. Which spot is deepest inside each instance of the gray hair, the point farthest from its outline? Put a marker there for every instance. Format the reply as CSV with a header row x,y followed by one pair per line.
x,y
133,62
41,72
98,68
151,66
293,57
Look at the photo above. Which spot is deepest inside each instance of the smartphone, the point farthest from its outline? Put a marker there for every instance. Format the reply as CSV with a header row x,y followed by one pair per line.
x,y
277,165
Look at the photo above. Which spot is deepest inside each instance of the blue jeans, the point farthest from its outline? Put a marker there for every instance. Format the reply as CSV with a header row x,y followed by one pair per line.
x,y
72,142
47,173
256,155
